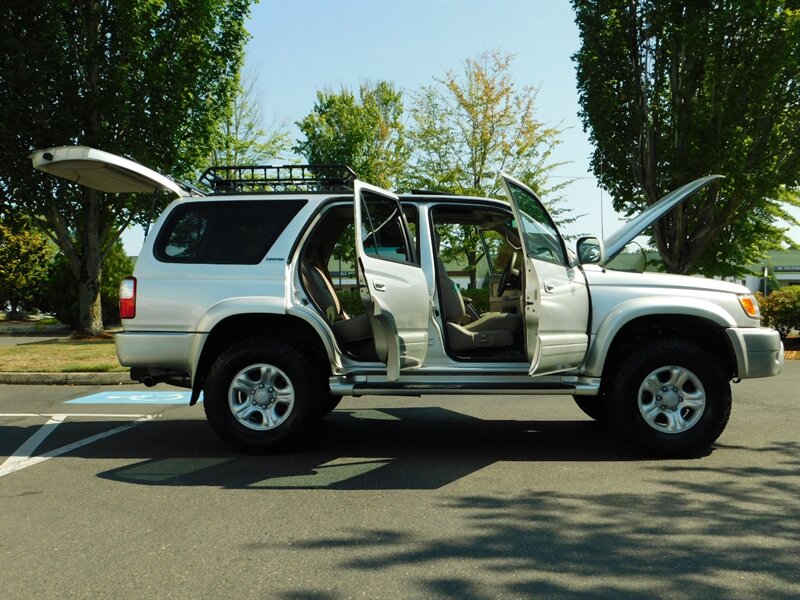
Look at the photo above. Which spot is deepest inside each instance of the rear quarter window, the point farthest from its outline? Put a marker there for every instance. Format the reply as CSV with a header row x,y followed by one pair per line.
x,y
224,232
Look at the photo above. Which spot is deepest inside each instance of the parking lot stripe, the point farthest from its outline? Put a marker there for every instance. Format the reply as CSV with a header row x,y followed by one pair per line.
x,y
90,415
24,452
21,460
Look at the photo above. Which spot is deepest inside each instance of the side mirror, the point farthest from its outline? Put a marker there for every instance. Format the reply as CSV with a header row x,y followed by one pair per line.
x,y
590,251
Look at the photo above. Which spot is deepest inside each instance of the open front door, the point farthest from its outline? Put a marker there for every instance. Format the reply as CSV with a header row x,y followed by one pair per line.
x,y
395,284
556,295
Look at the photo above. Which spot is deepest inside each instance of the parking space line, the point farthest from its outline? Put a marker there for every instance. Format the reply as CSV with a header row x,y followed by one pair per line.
x,y
22,458
90,415
24,452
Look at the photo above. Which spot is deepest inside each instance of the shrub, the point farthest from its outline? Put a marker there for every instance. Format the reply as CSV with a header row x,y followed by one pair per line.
x,y
479,297
781,309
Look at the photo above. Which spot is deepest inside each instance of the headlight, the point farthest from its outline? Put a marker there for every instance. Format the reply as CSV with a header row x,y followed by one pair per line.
x,y
750,306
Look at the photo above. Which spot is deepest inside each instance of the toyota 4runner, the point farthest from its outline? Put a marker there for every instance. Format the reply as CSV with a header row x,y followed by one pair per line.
x,y
234,297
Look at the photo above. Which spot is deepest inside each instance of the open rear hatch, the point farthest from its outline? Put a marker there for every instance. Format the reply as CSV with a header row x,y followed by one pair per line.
x,y
102,171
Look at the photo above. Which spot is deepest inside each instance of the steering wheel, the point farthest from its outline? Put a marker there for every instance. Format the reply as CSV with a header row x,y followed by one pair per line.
x,y
509,273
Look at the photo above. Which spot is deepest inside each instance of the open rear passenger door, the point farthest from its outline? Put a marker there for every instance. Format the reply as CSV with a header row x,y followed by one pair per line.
x,y
396,285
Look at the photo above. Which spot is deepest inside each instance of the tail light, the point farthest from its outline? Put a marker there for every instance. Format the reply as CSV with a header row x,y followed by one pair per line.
x,y
127,298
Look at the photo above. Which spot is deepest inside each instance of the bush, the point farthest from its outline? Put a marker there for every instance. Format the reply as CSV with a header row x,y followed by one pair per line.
x,y
479,297
350,300
60,296
781,309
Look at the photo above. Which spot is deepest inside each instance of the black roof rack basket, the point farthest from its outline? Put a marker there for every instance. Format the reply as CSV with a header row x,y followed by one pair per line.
x,y
287,178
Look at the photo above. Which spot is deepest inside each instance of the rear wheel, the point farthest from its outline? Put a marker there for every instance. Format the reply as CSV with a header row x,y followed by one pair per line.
x,y
260,394
670,397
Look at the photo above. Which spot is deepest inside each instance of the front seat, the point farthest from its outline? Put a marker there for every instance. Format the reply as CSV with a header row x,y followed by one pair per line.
x,y
490,330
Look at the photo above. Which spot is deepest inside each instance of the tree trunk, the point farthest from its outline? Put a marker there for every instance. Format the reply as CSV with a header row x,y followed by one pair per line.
x,y
90,316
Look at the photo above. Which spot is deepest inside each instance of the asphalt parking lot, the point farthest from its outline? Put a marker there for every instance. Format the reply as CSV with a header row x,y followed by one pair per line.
x,y
105,493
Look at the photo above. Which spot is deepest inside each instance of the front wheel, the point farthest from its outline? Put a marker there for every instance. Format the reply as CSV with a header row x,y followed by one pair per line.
x,y
593,407
670,397
260,394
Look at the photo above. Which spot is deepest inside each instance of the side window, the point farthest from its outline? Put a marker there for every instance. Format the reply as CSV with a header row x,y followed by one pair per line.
x,y
220,232
542,240
383,231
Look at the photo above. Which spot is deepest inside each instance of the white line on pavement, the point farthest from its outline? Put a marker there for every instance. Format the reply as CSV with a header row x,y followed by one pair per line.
x,y
22,458
91,415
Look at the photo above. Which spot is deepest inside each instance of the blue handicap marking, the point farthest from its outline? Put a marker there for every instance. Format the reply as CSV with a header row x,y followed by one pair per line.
x,y
137,397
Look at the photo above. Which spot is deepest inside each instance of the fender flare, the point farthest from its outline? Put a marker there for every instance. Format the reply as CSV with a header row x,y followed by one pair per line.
x,y
630,310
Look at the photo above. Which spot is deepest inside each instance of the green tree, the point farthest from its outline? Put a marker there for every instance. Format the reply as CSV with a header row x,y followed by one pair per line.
x,y
365,133
469,126
25,255
242,138
671,90
59,294
145,78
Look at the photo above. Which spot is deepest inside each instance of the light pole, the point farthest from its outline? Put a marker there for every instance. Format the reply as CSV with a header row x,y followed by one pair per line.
x,y
765,273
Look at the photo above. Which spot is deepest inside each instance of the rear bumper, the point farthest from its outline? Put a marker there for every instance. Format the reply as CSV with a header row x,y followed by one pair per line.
x,y
759,352
161,356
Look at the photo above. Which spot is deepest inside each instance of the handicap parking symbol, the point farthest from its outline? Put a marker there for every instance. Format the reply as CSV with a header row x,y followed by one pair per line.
x,y
137,397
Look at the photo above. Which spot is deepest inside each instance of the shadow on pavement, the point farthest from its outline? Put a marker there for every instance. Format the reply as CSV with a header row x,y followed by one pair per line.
x,y
398,448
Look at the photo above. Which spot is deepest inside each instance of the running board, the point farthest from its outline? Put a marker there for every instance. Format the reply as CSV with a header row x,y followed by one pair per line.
x,y
419,388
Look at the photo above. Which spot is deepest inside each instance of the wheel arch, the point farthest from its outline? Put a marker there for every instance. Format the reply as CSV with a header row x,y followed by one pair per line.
x,y
707,333
235,328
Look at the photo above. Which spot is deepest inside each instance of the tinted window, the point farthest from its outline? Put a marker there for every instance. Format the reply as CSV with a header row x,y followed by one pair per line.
x,y
224,232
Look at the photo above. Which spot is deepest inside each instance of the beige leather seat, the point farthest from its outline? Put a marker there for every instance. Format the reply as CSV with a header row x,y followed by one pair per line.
x,y
317,284
490,330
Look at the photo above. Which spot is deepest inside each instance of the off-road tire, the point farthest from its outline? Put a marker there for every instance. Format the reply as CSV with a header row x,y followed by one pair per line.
x,y
695,403
285,387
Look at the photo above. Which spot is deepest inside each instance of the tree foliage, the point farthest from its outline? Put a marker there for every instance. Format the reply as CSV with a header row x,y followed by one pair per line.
x,y
242,138
672,90
59,292
469,126
364,132
144,78
25,255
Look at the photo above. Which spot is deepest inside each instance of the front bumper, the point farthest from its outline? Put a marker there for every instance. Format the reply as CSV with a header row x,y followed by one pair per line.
x,y
759,352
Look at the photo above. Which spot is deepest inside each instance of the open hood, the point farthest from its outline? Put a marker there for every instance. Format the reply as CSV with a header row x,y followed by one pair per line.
x,y
622,237
101,170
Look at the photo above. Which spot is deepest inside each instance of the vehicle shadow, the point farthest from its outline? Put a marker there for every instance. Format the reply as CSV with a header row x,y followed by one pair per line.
x,y
397,448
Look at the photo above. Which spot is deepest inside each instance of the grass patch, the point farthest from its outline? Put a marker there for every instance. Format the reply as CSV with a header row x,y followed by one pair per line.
x,y
61,356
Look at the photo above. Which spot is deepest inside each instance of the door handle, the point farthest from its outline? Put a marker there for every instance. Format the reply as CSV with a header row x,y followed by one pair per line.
x,y
379,285
549,287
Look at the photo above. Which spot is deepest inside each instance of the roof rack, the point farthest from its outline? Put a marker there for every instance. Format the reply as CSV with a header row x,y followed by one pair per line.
x,y
287,178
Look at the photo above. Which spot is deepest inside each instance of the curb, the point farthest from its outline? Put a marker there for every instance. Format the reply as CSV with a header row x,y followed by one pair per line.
x,y
66,378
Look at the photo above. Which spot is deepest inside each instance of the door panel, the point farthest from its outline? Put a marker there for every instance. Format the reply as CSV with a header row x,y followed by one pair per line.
x,y
395,286
557,298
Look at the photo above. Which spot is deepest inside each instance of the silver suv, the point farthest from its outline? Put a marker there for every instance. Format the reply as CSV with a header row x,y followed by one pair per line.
x,y
287,288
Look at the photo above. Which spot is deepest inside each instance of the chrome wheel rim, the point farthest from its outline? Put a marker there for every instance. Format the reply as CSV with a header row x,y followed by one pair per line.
x,y
671,399
261,397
